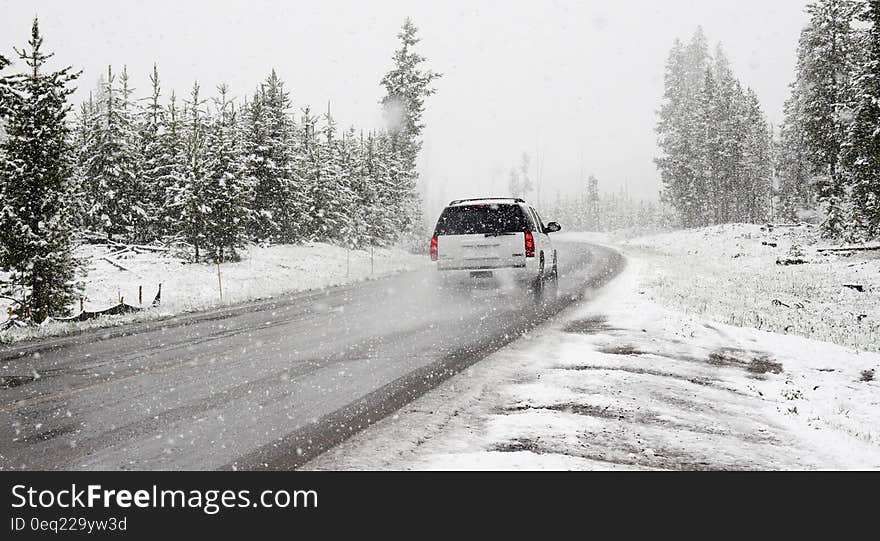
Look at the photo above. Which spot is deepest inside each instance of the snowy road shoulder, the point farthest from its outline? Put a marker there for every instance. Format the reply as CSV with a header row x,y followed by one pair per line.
x,y
622,382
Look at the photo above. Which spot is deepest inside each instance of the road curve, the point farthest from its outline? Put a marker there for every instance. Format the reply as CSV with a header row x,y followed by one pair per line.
x,y
268,384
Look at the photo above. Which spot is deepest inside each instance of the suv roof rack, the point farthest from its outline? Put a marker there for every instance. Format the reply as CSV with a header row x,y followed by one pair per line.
x,y
514,199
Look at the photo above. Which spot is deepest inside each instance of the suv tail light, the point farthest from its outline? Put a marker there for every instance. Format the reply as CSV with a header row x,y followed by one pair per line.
x,y
434,248
530,244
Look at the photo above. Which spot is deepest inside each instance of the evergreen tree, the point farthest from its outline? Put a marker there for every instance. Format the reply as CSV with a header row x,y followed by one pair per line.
x,y
36,182
308,169
331,195
407,86
112,169
384,218
754,191
362,192
825,66
154,165
5,89
862,154
189,194
729,180
527,186
268,141
225,194
592,203
514,183
83,130
711,149
346,211
681,129
793,167
715,160
167,169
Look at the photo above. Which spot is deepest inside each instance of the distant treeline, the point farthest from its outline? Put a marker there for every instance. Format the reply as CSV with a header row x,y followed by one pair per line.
x,y
716,160
587,210
720,162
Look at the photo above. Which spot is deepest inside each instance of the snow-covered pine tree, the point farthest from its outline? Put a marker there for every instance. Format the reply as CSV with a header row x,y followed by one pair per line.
x,y
862,152
139,227
386,221
407,86
268,140
514,184
37,233
715,158
347,210
527,186
308,169
153,164
705,192
225,194
168,167
376,217
824,72
730,121
362,190
112,168
5,89
680,133
756,175
255,141
83,130
793,167
188,195
330,196
592,203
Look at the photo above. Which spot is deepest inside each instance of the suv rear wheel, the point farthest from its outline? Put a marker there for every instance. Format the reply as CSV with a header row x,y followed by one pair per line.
x,y
551,286
537,285
546,285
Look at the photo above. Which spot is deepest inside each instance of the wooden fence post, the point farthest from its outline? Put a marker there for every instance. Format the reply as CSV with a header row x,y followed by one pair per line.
x,y
219,280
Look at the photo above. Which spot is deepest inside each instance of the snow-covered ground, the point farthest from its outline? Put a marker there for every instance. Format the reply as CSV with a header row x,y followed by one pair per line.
x,y
650,375
263,272
729,273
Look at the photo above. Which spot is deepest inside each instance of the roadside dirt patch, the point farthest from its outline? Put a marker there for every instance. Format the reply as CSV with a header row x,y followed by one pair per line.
x,y
590,325
521,444
633,370
570,407
623,349
648,417
755,362
608,447
727,357
762,365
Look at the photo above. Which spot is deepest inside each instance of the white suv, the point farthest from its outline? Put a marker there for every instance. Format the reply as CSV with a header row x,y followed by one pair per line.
x,y
498,239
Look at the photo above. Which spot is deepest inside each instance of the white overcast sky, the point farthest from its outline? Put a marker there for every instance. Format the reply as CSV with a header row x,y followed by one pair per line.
x,y
578,80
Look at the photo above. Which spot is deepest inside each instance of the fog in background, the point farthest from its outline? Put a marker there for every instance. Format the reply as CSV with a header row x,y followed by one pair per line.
x,y
576,82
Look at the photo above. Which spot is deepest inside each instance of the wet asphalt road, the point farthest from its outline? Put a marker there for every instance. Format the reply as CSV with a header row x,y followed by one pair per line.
x,y
268,384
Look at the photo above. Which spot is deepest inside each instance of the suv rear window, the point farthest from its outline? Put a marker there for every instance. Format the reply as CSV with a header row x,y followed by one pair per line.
x,y
478,219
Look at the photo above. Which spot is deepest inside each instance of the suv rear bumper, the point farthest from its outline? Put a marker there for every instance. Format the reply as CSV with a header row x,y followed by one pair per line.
x,y
502,276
